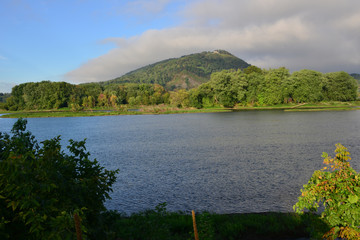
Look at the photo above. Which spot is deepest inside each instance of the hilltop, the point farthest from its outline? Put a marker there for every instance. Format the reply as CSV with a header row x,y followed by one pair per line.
x,y
185,72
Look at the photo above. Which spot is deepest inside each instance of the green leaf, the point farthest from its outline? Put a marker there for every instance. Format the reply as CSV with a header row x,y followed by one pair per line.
x,y
353,199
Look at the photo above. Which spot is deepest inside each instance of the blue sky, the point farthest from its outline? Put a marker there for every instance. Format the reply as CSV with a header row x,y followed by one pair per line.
x,y
95,40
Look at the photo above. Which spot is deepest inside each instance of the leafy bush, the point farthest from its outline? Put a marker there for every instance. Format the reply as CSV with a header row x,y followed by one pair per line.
x,y
41,187
337,187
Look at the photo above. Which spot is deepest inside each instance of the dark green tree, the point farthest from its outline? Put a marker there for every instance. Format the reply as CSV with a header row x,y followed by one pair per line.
x,y
307,86
339,86
256,83
252,69
207,92
41,187
274,80
16,101
226,89
240,85
195,98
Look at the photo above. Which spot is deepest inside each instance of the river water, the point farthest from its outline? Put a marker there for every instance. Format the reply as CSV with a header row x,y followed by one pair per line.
x,y
253,161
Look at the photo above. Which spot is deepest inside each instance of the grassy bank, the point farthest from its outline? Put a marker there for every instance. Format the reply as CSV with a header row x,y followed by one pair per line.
x,y
106,112
62,113
328,106
160,224
166,109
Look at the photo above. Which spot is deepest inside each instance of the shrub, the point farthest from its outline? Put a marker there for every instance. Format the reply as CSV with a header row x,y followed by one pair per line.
x,y
41,187
337,187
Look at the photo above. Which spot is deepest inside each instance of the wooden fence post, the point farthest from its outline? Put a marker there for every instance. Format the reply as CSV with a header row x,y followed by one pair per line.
x,y
194,224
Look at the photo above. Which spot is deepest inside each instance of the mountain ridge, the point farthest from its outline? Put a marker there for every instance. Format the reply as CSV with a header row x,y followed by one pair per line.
x,y
186,72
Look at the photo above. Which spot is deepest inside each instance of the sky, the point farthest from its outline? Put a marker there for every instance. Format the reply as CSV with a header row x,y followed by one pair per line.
x,y
80,41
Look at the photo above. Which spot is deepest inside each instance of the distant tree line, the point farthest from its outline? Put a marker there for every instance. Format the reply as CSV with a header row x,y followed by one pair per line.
x,y
274,86
356,76
4,96
54,95
251,86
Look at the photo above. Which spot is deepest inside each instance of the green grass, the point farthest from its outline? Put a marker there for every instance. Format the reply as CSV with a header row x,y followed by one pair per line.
x,y
327,106
323,106
5,111
44,114
167,109
105,112
321,109
160,224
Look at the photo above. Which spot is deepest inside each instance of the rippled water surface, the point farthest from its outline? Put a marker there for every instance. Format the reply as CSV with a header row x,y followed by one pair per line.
x,y
254,161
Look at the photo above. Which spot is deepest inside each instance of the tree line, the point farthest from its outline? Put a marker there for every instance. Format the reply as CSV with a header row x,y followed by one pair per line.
x,y
251,86
54,95
274,86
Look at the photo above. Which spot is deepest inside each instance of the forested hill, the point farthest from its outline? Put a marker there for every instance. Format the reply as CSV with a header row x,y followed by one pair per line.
x,y
185,72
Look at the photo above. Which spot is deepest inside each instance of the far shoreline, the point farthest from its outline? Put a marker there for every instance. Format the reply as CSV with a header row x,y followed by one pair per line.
x,y
167,109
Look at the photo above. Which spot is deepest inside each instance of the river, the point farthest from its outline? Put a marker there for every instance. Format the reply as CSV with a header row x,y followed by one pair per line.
x,y
252,161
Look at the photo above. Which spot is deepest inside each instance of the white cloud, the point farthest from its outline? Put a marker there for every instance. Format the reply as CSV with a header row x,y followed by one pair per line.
x,y
3,58
271,33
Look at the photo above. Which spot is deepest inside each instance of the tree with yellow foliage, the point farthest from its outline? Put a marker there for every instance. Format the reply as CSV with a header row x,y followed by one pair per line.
x,y
337,187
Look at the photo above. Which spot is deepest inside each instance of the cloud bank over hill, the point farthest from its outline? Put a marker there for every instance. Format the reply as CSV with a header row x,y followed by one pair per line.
x,y
322,35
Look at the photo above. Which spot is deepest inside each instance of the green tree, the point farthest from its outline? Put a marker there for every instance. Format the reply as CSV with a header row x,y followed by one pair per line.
x,y
132,101
45,95
195,98
252,69
207,92
256,80
131,91
92,89
159,95
307,86
339,86
274,80
180,98
226,88
240,85
41,187
16,101
337,187
88,102
75,98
